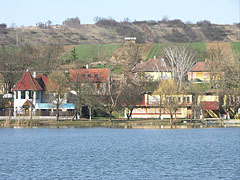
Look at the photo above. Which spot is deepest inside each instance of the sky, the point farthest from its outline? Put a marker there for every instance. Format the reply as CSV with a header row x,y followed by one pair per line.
x,y
29,12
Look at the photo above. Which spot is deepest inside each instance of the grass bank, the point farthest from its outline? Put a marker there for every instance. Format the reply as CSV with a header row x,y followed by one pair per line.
x,y
135,124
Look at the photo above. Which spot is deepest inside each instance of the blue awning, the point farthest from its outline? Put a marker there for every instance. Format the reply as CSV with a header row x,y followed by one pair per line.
x,y
53,106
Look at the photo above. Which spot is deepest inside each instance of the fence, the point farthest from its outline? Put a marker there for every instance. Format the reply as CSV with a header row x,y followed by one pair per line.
x,y
6,111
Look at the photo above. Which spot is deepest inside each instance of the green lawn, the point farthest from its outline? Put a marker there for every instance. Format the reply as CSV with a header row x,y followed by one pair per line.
x,y
93,52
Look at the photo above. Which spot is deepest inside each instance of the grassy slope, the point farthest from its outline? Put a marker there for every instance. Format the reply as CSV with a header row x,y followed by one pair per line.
x,y
157,49
93,52
236,49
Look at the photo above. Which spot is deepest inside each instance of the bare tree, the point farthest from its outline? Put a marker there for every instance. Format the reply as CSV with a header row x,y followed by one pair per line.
x,y
72,22
230,87
216,62
131,96
110,102
169,92
180,59
78,96
15,61
57,90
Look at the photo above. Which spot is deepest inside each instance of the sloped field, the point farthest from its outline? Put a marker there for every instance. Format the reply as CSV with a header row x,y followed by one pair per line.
x,y
236,50
120,52
224,47
93,52
158,49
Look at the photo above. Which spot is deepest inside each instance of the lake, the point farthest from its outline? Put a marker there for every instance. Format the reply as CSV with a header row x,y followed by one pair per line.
x,y
102,153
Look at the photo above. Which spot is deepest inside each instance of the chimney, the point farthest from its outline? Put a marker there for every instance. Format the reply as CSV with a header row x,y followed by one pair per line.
x,y
34,74
86,66
154,57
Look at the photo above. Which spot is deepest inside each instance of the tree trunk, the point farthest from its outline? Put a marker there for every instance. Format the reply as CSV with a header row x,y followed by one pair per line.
x,y
90,113
31,121
110,115
171,120
129,114
57,115
80,113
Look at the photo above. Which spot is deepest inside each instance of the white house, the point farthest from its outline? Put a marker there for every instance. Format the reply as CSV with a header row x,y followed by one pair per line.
x,y
29,97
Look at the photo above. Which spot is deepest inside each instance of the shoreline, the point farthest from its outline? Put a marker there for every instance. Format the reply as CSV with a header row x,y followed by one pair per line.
x,y
123,124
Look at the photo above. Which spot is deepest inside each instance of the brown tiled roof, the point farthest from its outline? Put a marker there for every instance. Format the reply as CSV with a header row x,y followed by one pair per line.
x,y
203,67
209,105
90,75
27,82
152,65
46,83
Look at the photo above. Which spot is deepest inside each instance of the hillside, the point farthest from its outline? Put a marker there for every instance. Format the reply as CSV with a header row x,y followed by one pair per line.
x,y
115,55
112,32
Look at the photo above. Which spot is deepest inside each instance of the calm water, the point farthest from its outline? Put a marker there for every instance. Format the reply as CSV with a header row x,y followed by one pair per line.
x,y
100,153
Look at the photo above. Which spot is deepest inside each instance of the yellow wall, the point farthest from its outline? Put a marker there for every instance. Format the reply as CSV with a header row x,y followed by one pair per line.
x,y
160,75
207,98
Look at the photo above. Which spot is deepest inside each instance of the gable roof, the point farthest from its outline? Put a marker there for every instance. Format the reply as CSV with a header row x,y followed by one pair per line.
x,y
152,65
90,75
46,83
27,82
200,67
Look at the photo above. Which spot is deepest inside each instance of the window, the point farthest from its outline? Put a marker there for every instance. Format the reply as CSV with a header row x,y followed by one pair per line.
x,y
184,99
16,94
89,75
98,86
179,99
23,94
96,75
37,94
188,99
30,94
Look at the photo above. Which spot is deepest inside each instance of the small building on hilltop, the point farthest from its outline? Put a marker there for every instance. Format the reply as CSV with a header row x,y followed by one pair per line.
x,y
130,39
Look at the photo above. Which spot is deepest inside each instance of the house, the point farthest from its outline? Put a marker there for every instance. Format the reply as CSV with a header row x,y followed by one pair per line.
x,y
27,92
150,107
153,68
130,39
204,72
30,97
96,79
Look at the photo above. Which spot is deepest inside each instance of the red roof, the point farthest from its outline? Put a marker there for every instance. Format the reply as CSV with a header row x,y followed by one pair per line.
x,y
152,65
199,67
203,66
209,105
27,82
46,83
90,75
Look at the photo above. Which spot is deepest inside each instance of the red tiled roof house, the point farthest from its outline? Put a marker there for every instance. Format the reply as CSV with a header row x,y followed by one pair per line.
x,y
202,71
97,79
29,93
155,68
